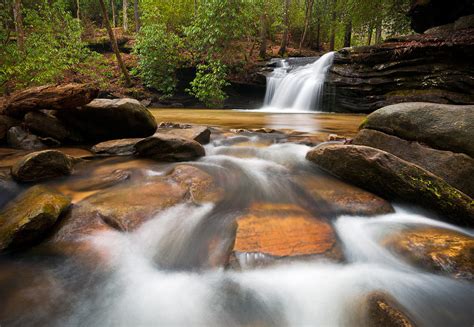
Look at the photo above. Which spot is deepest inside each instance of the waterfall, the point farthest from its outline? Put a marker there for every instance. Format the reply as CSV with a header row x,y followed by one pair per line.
x,y
300,89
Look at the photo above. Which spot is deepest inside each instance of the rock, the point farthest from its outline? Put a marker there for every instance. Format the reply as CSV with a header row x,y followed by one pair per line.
x,y
435,249
5,124
67,96
428,13
440,29
121,147
394,178
378,309
200,134
444,127
47,125
428,68
464,22
169,148
100,182
344,199
271,231
8,188
28,217
455,168
105,119
19,138
42,165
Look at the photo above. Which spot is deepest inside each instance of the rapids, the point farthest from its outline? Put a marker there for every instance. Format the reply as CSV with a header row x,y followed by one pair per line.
x,y
157,275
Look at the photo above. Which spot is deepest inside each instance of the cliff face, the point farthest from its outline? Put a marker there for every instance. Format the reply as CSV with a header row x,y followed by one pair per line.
x,y
435,67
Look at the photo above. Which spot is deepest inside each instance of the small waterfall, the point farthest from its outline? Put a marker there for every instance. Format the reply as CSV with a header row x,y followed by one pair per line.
x,y
300,89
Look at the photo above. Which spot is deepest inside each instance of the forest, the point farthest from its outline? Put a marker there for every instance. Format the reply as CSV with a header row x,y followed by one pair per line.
x,y
50,41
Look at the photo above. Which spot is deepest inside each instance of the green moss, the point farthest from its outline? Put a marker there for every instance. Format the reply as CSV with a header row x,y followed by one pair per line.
x,y
364,122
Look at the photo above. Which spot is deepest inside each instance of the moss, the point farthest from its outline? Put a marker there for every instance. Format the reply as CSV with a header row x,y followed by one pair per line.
x,y
364,123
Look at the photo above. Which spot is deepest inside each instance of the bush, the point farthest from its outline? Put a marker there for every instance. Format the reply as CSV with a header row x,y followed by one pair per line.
x,y
158,53
208,86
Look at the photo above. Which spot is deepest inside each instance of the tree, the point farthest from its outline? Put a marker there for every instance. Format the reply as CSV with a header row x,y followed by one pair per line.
x,y
20,34
263,35
309,8
114,19
286,23
332,41
136,13
113,41
125,15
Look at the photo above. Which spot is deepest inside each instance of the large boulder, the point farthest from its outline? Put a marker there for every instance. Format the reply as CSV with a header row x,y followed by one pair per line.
x,y
445,127
5,124
67,96
200,134
391,177
455,168
275,231
47,125
167,147
28,217
42,165
435,249
105,119
19,138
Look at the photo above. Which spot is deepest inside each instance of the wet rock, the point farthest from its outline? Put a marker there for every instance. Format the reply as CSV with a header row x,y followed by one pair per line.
x,y
169,148
19,138
42,165
445,127
379,309
121,147
106,119
100,182
5,124
272,231
28,217
394,178
8,188
343,198
435,249
67,96
47,125
200,134
455,168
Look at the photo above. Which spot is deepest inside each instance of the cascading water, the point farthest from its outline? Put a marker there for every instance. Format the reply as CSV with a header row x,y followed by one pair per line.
x,y
300,89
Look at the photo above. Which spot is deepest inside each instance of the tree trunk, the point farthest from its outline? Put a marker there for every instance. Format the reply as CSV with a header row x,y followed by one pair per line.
x,y
125,17
78,12
113,41
20,34
378,33
195,7
332,40
114,19
263,36
348,34
318,34
286,21
369,35
309,8
137,16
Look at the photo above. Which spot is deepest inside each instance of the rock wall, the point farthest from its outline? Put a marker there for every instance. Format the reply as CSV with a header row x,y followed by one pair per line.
x,y
433,67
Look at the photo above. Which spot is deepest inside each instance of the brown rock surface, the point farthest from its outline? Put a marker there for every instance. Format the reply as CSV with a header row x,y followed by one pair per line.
x,y
200,134
166,147
42,165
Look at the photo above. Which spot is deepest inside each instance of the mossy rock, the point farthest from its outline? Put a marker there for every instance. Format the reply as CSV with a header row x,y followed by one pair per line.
x,y
27,219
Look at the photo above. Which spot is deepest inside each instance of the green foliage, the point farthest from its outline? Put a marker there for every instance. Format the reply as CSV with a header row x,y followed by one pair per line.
x,y
208,86
158,52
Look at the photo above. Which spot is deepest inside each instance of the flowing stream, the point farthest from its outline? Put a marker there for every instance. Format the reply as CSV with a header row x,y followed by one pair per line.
x,y
301,88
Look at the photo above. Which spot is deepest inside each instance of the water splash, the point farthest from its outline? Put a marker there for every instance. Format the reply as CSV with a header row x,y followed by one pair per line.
x,y
298,90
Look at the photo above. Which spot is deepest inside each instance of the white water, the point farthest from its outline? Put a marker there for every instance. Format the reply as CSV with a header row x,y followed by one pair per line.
x,y
300,89
142,291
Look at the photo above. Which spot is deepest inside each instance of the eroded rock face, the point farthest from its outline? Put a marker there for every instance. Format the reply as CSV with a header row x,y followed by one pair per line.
x,y
42,165
28,217
435,249
343,198
105,119
169,148
391,177
440,126
47,125
272,231
19,138
430,68
455,168
67,96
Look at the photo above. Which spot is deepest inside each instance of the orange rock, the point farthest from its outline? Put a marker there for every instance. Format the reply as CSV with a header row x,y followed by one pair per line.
x,y
284,230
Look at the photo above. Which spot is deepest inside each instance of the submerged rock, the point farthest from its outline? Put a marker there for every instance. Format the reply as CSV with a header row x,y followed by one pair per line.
x,y
379,309
444,127
272,231
67,96
343,198
19,138
105,119
8,188
42,165
391,177
169,148
30,216
455,168
435,249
